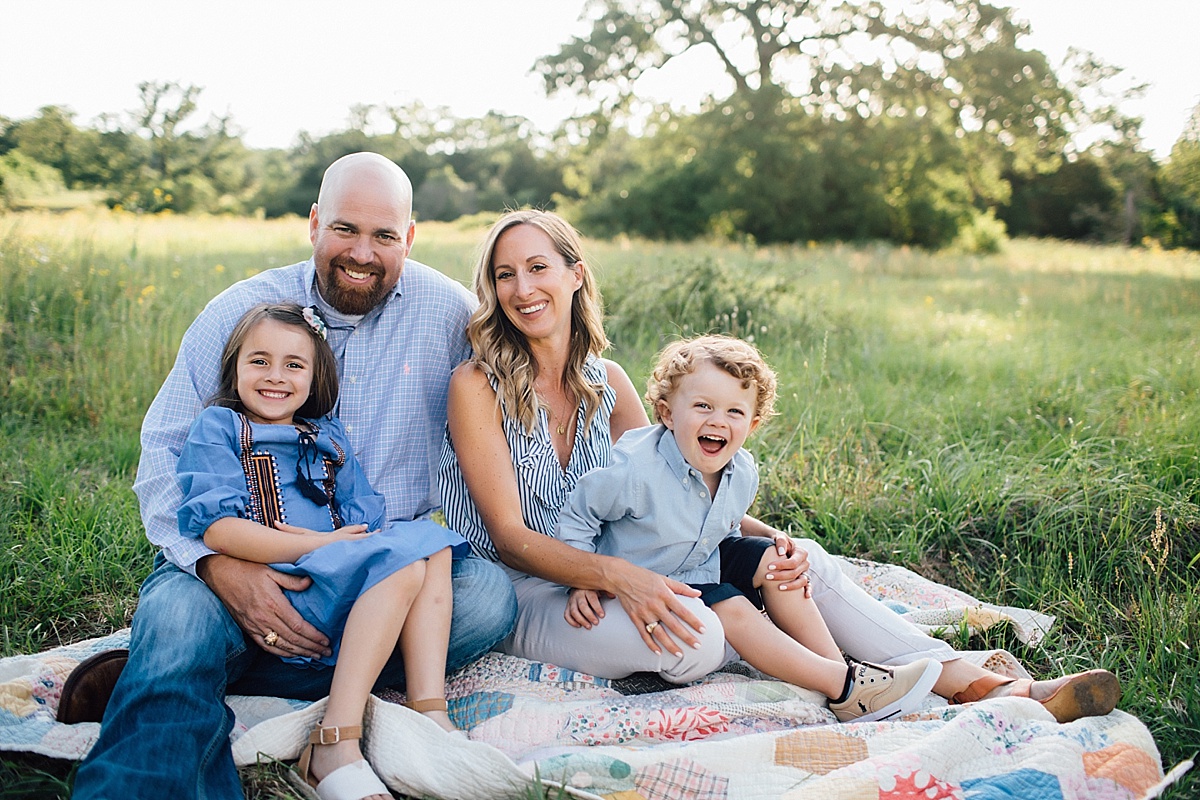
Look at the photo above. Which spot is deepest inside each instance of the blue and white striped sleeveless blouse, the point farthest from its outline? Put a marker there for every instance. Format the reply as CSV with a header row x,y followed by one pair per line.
x,y
542,482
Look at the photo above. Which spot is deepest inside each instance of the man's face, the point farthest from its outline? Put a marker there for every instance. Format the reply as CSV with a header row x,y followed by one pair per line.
x,y
361,236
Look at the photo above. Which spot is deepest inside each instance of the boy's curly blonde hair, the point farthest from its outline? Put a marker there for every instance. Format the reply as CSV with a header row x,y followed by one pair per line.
x,y
739,358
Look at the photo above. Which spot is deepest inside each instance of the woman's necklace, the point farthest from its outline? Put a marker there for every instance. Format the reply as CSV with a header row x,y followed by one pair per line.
x,y
561,428
561,421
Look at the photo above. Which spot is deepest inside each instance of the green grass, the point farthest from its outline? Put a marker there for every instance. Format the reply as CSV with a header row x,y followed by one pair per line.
x,y
1023,426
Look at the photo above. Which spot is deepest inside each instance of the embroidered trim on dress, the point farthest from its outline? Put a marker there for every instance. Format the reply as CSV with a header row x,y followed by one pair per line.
x,y
262,480
265,506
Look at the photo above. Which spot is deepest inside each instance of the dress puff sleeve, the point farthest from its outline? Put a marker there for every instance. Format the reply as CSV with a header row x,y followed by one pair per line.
x,y
357,502
210,472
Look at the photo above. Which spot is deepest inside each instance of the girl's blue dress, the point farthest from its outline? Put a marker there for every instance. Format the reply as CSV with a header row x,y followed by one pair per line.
x,y
223,477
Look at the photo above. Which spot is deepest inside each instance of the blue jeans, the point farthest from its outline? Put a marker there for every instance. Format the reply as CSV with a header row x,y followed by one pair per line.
x,y
166,729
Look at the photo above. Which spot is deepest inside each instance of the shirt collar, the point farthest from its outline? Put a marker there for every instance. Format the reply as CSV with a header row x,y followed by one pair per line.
x,y
312,296
310,282
668,448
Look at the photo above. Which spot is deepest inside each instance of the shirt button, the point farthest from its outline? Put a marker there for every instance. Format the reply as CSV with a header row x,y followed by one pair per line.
x,y
684,482
703,493
353,379
349,428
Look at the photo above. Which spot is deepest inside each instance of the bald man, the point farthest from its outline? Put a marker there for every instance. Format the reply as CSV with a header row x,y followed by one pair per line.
x,y
209,624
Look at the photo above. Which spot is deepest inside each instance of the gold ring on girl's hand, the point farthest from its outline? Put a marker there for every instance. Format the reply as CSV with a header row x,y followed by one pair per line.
x,y
650,626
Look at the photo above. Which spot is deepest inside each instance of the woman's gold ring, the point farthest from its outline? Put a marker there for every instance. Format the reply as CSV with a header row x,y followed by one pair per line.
x,y
271,638
650,626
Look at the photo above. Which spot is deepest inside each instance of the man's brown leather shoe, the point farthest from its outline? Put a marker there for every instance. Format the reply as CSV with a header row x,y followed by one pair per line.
x,y
87,689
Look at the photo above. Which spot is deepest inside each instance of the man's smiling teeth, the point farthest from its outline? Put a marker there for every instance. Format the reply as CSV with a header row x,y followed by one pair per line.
x,y
358,276
532,309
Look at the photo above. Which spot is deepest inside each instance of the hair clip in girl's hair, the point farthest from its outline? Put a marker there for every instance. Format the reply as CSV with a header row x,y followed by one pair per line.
x,y
315,322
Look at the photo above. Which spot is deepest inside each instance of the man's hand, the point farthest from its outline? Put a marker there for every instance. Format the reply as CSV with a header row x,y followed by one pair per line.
x,y
253,595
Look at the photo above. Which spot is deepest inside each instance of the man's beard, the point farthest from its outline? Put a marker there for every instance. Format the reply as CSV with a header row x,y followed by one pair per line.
x,y
348,299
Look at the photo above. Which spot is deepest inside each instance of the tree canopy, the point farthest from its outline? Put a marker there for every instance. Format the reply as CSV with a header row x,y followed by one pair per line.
x,y
923,117
1181,187
960,59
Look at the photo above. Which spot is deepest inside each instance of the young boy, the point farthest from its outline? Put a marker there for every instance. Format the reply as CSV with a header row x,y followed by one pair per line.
x,y
672,499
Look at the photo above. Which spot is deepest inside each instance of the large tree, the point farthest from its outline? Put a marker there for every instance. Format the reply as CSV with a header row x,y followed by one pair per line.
x,y
165,106
960,59
940,101
168,164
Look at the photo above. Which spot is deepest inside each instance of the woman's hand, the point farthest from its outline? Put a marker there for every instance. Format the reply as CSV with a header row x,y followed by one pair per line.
x,y
583,608
652,603
789,571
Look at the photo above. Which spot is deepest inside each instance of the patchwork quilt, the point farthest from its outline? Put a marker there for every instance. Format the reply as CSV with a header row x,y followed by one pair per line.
x,y
735,735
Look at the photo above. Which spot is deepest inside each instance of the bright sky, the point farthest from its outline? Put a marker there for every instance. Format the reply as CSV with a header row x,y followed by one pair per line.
x,y
279,68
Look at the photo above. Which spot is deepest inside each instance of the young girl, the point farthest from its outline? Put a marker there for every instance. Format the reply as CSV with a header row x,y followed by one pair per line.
x,y
268,477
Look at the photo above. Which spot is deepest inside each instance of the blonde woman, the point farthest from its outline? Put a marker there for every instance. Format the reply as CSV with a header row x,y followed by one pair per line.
x,y
536,407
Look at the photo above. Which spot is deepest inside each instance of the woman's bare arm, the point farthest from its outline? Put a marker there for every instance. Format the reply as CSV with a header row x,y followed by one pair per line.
x,y
628,413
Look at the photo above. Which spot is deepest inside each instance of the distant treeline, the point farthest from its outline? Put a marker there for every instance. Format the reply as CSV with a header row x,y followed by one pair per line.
x,y
766,169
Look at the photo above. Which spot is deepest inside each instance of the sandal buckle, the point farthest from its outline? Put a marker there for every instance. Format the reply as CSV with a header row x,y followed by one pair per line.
x,y
335,732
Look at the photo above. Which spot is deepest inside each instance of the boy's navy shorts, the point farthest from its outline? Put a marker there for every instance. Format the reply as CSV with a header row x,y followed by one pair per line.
x,y
740,557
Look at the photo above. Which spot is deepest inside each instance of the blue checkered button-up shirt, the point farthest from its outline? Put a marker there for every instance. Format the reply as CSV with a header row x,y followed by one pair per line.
x,y
394,367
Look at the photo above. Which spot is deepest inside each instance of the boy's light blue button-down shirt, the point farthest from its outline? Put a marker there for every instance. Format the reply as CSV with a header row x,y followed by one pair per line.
x,y
394,367
652,508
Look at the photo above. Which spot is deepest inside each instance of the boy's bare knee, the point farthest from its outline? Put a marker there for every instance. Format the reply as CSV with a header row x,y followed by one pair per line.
x,y
764,566
736,611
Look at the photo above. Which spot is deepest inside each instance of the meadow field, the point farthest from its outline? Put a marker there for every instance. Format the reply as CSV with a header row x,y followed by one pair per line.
x,y
1024,426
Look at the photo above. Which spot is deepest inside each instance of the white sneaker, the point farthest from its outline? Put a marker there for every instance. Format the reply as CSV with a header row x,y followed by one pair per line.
x,y
880,692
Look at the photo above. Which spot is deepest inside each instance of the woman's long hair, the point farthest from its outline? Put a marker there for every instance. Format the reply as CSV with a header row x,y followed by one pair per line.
x,y
503,352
